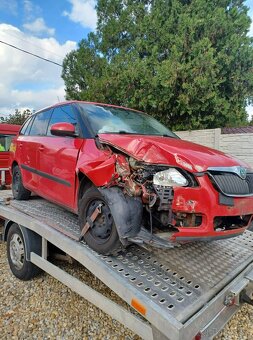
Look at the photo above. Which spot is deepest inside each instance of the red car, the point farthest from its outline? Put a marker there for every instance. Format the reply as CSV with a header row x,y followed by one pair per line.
x,y
129,178
7,132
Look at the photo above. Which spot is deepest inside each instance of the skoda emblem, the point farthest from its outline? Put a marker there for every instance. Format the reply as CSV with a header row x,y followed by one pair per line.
x,y
243,173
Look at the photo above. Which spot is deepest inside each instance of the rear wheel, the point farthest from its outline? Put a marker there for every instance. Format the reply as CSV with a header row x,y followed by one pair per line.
x,y
16,253
102,236
18,190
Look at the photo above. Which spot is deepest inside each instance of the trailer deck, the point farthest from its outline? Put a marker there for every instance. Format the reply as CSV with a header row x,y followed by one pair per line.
x,y
181,290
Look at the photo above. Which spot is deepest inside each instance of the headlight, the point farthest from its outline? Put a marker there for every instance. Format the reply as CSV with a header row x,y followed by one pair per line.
x,y
170,178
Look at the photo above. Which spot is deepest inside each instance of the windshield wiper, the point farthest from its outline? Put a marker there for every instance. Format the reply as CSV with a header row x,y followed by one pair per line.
x,y
123,132
165,135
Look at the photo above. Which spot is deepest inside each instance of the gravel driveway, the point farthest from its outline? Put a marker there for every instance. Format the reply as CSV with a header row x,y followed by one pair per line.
x,y
45,309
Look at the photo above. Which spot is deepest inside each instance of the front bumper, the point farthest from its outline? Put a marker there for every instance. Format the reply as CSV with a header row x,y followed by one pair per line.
x,y
204,200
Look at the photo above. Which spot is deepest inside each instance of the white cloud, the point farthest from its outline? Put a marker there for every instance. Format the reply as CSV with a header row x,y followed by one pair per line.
x,y
27,81
83,12
39,27
31,10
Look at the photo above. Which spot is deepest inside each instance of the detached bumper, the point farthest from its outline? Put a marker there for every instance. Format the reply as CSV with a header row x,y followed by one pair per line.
x,y
192,236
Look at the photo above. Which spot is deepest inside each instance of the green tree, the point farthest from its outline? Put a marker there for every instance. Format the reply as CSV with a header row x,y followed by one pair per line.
x,y
187,62
18,117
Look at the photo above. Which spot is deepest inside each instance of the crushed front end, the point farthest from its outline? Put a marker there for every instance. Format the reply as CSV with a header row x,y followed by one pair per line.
x,y
181,206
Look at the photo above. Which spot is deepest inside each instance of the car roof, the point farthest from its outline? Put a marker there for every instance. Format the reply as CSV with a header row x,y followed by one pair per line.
x,y
85,102
9,128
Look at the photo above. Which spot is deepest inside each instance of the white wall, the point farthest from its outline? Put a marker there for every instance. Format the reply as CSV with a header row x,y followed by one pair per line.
x,y
238,145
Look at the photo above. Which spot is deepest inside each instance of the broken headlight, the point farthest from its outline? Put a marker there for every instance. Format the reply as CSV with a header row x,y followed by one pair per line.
x,y
170,178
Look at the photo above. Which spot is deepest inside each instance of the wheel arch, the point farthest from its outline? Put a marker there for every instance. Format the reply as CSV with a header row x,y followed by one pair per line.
x,y
83,183
127,211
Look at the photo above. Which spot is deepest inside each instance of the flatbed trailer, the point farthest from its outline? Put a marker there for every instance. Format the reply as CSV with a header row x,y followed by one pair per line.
x,y
181,293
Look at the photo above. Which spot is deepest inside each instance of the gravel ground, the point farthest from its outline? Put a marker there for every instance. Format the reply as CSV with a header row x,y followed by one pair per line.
x,y
45,309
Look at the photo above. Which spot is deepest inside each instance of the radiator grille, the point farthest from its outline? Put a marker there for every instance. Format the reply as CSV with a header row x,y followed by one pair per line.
x,y
231,184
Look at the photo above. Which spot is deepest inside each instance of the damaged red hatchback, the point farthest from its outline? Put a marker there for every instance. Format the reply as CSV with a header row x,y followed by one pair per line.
x,y
129,178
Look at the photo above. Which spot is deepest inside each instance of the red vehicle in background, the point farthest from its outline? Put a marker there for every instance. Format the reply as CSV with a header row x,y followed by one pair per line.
x,y
7,132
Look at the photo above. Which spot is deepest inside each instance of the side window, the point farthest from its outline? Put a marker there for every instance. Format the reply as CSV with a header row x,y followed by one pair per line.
x,y
62,114
26,127
5,142
40,123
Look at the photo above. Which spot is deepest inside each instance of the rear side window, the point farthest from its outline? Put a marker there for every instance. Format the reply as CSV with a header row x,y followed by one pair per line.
x,y
40,123
26,127
5,142
62,114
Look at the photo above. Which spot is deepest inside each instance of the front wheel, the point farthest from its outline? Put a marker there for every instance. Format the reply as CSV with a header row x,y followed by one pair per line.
x,y
102,236
18,190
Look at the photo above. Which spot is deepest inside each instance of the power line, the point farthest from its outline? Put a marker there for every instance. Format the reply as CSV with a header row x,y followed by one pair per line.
x,y
34,55
28,42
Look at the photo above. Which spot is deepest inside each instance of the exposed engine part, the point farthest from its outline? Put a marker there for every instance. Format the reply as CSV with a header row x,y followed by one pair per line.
x,y
136,180
166,195
165,218
188,219
122,166
132,188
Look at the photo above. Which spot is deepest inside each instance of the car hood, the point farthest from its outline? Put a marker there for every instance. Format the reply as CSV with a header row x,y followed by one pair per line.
x,y
170,151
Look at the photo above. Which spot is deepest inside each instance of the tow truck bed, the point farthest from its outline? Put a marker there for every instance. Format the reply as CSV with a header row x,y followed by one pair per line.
x,y
180,292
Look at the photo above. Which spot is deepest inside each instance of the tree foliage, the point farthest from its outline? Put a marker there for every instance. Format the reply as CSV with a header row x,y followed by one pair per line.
x,y
18,117
189,63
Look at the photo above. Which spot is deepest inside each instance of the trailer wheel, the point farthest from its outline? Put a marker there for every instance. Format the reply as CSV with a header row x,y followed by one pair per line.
x,y
102,236
16,253
18,190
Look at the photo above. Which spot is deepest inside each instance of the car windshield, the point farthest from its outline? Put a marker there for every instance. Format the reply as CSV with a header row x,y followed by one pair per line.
x,y
108,119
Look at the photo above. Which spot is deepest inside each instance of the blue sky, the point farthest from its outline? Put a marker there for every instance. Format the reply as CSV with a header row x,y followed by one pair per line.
x,y
54,14
50,28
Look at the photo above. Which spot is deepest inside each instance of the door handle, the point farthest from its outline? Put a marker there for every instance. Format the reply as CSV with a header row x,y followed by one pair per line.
x,y
41,148
20,145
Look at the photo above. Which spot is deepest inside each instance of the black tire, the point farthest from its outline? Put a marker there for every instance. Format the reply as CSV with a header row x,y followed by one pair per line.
x,y
16,253
102,236
18,190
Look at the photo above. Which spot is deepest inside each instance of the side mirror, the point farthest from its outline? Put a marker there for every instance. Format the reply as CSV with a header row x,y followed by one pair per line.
x,y
63,129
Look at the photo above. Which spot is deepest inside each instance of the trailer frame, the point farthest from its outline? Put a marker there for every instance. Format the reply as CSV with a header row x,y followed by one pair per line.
x,y
204,312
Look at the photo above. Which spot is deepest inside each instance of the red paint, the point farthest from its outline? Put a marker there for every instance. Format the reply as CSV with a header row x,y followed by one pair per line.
x,y
62,128
165,150
7,130
64,158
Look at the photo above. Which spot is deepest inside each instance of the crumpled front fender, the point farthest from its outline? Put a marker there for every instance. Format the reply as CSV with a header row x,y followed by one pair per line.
x,y
126,211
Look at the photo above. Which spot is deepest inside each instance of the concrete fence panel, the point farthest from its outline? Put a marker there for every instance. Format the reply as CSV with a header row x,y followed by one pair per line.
x,y
239,145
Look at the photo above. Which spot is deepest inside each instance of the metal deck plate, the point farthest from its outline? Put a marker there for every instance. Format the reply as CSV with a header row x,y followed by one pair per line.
x,y
180,280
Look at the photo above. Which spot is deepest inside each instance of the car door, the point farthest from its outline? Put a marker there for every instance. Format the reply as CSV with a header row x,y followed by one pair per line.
x,y
58,158
28,143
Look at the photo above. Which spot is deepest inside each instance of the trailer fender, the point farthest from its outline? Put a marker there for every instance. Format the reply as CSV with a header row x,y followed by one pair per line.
x,y
126,211
33,242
